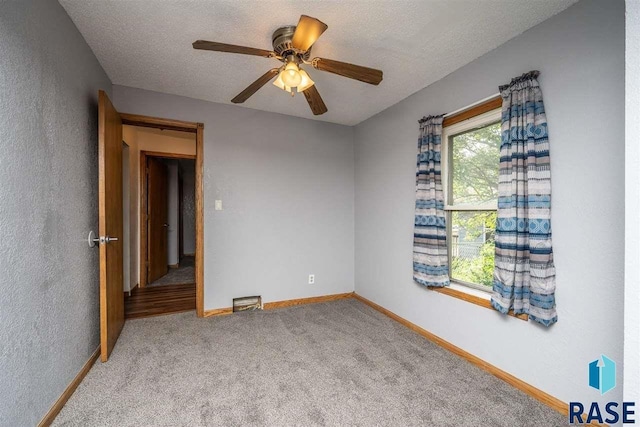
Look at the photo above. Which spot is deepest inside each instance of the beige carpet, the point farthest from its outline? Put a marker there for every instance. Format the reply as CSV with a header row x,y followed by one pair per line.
x,y
335,364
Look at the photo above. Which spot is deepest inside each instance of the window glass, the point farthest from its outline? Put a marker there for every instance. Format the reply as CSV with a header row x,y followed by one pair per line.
x,y
475,160
473,246
473,163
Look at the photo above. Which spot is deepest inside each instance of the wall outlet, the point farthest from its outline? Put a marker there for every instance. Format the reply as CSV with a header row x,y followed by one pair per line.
x,y
312,279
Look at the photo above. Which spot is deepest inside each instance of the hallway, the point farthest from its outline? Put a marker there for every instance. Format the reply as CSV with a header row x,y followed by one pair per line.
x,y
184,274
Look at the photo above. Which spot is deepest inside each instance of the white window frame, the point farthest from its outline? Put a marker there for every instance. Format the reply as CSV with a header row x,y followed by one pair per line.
x,y
479,121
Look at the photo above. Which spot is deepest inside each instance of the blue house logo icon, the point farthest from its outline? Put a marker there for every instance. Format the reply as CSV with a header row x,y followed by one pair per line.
x,y
602,374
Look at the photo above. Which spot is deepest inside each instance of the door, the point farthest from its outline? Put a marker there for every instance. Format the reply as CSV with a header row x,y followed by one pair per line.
x,y
180,223
158,218
110,224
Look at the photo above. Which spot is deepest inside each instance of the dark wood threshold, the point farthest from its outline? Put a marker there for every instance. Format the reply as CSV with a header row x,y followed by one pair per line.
x,y
158,300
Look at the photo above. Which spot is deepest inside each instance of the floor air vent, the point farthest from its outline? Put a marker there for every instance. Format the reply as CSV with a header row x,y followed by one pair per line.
x,y
247,303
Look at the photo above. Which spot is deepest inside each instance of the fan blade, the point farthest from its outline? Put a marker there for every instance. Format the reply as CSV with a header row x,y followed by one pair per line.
x,y
231,48
315,101
307,32
357,72
253,87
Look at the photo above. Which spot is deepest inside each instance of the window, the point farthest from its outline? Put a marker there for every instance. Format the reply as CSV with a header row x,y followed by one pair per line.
x,y
471,164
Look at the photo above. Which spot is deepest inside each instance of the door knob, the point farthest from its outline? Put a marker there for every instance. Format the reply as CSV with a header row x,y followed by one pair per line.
x,y
165,225
93,240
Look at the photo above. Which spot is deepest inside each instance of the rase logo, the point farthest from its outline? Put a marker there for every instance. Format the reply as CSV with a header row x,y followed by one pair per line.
x,y
602,374
602,377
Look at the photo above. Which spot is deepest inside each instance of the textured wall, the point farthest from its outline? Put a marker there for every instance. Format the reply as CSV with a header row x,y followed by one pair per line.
x,y
632,206
286,185
188,206
580,54
49,81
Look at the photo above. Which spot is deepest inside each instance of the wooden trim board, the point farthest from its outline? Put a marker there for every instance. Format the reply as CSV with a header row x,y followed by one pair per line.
x,y
199,261
485,107
473,300
164,155
302,301
285,303
218,312
158,123
68,392
536,393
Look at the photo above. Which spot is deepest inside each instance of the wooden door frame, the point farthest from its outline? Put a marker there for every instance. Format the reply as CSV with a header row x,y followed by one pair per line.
x,y
183,126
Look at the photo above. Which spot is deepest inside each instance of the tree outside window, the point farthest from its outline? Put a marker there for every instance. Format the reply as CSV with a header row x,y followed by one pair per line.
x,y
472,195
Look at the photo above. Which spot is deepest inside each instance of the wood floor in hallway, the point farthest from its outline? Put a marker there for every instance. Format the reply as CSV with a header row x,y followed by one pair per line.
x,y
154,301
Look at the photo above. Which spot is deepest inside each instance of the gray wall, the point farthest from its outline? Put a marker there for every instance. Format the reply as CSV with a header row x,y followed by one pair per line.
x,y
632,206
287,190
49,314
188,206
580,54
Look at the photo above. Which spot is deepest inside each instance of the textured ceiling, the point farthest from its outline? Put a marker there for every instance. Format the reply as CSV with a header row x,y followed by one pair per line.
x,y
147,44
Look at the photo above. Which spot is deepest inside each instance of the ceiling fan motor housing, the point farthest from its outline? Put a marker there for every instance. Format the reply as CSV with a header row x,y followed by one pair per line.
x,y
281,41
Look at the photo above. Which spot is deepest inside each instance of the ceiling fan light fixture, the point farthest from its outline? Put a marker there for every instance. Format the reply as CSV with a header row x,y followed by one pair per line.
x,y
279,83
291,75
306,81
292,46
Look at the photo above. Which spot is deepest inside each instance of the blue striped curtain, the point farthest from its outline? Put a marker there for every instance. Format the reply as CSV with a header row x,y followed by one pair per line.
x,y
430,259
524,275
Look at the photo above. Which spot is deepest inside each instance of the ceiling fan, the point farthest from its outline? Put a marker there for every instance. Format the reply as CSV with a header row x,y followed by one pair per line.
x,y
292,46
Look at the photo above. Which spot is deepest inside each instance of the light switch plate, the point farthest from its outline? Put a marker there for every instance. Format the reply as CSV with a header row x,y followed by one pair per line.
x,y
218,205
